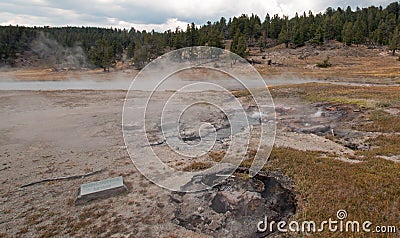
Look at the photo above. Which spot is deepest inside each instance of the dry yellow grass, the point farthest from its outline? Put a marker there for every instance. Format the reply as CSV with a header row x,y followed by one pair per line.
x,y
368,191
45,74
197,166
381,121
384,145
217,156
347,62
363,96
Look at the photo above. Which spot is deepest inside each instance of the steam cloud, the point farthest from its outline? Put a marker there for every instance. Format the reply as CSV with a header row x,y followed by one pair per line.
x,y
61,57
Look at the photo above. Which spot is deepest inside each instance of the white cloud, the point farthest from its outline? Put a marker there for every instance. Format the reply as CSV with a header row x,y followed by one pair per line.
x,y
159,15
12,19
170,24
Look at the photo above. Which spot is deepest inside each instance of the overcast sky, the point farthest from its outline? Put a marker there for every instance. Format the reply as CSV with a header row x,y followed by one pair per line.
x,y
159,15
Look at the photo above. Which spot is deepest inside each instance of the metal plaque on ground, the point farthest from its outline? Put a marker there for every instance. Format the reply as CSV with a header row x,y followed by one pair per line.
x,y
100,189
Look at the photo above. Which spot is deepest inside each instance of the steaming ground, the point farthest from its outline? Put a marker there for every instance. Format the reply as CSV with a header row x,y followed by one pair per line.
x,y
116,81
52,127
70,123
46,134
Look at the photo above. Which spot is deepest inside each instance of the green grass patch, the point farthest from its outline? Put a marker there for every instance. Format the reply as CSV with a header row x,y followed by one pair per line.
x,y
361,103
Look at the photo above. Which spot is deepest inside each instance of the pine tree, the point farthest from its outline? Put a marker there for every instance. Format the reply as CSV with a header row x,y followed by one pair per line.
x,y
284,34
395,41
179,39
235,41
239,44
140,56
242,46
215,38
329,30
131,50
192,35
373,24
359,29
347,33
318,37
102,54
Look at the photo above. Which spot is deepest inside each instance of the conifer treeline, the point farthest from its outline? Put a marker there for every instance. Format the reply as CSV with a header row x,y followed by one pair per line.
x,y
103,46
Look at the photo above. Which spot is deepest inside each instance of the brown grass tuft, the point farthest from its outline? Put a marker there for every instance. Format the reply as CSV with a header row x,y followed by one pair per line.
x,y
197,166
367,191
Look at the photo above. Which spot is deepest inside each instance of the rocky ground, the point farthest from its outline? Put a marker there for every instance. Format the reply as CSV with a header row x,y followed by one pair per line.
x,y
49,134
60,133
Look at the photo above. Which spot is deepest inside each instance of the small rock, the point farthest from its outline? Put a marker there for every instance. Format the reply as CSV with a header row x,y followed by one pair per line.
x,y
200,209
220,203
214,225
174,198
318,129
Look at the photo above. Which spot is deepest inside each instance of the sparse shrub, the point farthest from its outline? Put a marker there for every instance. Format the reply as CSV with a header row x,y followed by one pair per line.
x,y
197,166
384,104
217,156
325,63
241,93
381,121
388,145
247,163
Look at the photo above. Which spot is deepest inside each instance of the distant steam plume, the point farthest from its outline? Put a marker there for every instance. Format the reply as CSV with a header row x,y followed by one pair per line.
x,y
57,55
